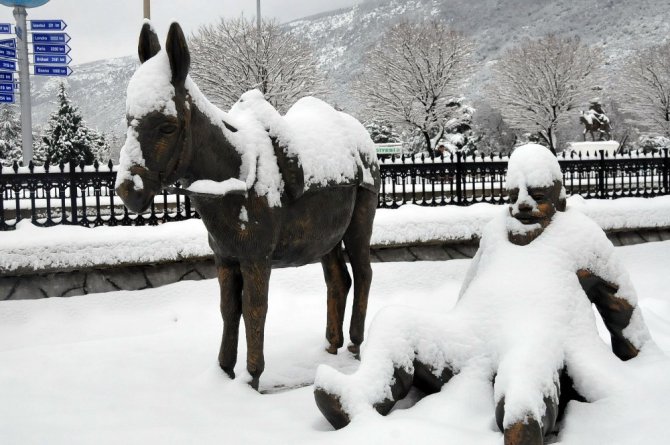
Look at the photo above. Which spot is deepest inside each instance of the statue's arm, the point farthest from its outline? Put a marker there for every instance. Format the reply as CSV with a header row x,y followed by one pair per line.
x,y
615,311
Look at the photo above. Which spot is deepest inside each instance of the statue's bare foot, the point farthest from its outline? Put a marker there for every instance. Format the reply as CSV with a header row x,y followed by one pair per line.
x,y
331,408
524,433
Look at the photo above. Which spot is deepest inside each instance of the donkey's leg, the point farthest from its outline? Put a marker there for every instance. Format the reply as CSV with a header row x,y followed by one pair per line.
x,y
357,243
256,278
230,282
338,282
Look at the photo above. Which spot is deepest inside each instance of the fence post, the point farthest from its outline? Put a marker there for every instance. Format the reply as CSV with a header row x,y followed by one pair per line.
x,y
666,172
73,192
459,179
601,175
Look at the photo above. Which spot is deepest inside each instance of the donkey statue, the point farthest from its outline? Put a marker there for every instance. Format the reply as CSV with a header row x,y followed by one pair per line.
x,y
272,190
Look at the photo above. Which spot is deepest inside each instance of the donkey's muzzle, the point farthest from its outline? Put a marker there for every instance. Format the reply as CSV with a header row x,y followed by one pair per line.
x,y
136,200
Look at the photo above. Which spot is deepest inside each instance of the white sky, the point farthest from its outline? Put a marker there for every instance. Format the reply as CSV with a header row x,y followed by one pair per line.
x,y
102,29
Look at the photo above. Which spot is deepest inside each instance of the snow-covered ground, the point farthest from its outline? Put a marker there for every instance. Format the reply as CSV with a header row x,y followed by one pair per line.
x,y
140,367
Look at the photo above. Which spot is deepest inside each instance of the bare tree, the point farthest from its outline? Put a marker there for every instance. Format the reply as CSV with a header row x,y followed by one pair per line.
x,y
539,82
411,75
229,58
645,89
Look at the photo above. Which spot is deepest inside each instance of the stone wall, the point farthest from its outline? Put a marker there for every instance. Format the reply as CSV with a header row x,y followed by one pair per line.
x,y
135,277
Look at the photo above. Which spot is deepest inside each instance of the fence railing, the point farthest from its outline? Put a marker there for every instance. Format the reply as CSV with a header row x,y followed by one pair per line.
x,y
84,195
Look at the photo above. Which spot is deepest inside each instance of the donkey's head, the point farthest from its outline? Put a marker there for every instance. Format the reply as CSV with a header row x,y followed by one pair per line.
x,y
158,150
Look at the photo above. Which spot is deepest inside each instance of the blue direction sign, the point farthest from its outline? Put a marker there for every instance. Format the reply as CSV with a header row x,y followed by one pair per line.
x,y
10,43
7,52
5,28
52,60
43,70
47,25
7,65
6,77
7,87
51,49
6,98
50,37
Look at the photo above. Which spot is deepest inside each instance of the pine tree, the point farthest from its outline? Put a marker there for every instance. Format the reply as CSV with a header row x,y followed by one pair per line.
x,y
67,137
10,136
101,149
381,131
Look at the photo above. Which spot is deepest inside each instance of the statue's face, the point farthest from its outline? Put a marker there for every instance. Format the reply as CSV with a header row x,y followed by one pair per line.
x,y
534,208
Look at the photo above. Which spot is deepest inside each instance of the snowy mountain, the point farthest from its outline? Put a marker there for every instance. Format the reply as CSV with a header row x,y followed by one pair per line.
x,y
341,37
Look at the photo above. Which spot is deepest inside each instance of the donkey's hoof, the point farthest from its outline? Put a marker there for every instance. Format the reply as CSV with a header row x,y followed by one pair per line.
x,y
331,349
331,408
229,371
355,349
254,382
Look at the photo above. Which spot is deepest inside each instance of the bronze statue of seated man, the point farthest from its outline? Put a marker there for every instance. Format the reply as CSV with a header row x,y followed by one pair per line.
x,y
524,315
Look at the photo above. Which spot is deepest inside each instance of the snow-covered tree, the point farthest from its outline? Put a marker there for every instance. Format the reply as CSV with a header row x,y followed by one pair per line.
x,y
537,84
100,148
459,135
66,136
229,58
10,136
381,131
412,75
645,89
495,134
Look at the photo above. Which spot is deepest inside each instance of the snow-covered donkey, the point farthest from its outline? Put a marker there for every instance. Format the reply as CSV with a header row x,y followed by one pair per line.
x,y
523,319
272,190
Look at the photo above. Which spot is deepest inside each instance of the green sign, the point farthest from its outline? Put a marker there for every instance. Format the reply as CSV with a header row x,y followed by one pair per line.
x,y
389,149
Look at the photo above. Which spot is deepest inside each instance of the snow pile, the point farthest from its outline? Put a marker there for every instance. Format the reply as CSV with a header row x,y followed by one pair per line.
x,y
259,168
330,146
150,88
412,224
208,187
593,148
522,316
140,367
532,165
131,155
32,248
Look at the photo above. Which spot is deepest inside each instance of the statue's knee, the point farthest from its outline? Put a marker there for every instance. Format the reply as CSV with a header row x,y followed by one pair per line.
x,y
426,380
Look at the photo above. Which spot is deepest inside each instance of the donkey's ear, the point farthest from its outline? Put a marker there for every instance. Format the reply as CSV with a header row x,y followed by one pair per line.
x,y
149,44
177,50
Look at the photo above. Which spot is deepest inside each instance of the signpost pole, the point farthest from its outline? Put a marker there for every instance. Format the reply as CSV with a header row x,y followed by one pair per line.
x,y
24,82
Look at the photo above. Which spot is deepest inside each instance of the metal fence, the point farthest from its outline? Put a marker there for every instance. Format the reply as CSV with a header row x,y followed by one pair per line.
x,y
459,180
84,195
